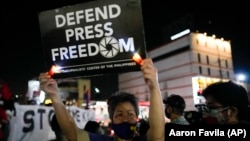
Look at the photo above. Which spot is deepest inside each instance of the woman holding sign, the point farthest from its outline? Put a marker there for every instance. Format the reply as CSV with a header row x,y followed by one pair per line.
x,y
122,107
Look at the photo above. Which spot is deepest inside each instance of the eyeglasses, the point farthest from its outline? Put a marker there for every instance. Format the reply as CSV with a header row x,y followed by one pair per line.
x,y
211,108
214,107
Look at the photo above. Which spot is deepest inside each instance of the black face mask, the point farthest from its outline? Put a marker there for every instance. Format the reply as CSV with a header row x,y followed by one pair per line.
x,y
124,130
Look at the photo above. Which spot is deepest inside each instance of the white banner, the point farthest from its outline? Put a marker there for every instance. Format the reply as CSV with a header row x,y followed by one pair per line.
x,y
32,122
81,116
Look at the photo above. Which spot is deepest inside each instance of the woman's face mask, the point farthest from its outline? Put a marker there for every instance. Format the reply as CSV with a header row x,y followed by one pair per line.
x,y
124,130
215,116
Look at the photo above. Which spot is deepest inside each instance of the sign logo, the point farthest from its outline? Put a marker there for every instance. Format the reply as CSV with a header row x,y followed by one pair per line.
x,y
109,47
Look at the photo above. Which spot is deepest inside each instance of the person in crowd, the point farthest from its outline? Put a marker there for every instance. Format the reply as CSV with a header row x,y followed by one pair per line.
x,y
122,108
174,109
57,130
143,126
227,103
93,127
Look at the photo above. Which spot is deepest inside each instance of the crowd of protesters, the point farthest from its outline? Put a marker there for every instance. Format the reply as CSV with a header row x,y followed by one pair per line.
x,y
226,103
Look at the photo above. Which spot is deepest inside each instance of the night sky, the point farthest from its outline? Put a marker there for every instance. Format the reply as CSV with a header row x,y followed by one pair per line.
x,y
22,54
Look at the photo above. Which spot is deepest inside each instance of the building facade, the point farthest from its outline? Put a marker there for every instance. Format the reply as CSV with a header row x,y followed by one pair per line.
x,y
185,66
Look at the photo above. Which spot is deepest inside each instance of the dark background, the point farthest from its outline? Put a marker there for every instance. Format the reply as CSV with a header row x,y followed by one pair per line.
x,y
22,59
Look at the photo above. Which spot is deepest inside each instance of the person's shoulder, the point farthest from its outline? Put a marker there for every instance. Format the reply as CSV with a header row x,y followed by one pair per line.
x,y
244,123
173,126
140,138
99,137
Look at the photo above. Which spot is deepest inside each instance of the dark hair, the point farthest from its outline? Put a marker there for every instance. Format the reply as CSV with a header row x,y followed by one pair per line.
x,y
55,125
120,97
229,94
56,128
176,102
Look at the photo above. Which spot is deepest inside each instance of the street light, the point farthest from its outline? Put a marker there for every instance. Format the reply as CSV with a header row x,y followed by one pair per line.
x,y
241,80
241,77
